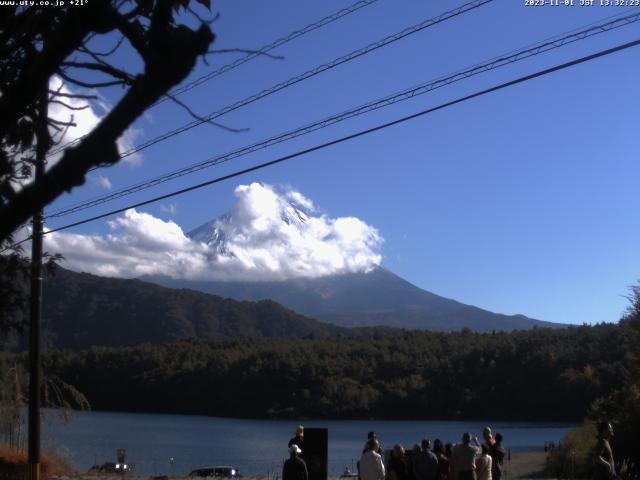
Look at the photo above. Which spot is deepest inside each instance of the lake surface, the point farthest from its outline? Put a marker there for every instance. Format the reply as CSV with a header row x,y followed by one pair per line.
x,y
253,446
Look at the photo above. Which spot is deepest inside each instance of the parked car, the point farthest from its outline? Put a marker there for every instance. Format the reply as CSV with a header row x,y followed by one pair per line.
x,y
110,467
219,472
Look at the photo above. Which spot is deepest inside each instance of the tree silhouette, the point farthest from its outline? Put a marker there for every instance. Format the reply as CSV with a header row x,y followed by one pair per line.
x,y
39,42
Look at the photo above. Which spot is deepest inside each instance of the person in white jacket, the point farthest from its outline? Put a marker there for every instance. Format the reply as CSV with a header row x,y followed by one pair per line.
x,y
371,466
484,464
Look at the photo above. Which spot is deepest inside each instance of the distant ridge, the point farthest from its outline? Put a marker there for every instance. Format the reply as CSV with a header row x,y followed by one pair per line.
x,y
82,310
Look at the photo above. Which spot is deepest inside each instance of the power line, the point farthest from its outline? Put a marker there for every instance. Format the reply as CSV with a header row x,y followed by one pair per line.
x,y
361,133
308,74
496,62
311,73
554,42
267,48
299,153
249,56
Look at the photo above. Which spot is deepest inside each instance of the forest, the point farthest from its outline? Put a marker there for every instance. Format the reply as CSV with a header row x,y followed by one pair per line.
x,y
538,374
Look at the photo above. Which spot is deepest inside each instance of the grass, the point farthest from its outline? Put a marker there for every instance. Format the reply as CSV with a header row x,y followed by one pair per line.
x,y
14,464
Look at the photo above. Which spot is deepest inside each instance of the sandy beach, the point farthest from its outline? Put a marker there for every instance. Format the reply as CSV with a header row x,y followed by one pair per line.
x,y
523,465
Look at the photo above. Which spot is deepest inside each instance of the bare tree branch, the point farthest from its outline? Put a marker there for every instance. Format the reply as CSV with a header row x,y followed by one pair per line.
x,y
56,93
70,123
63,38
108,52
72,95
80,83
104,68
201,19
61,134
133,31
203,119
70,107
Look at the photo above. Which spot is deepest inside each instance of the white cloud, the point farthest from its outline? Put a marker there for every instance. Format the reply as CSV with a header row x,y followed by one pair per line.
x,y
298,199
140,244
263,238
104,182
86,120
171,208
126,142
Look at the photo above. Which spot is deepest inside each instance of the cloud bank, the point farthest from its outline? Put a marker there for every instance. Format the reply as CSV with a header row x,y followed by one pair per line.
x,y
269,234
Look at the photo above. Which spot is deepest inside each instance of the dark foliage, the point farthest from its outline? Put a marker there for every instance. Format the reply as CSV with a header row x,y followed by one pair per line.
x,y
15,270
622,406
574,456
14,279
536,374
82,310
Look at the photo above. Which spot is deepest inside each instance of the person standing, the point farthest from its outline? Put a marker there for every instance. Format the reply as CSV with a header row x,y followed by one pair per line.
x,y
371,466
298,439
483,464
443,460
463,459
398,464
373,435
489,441
295,468
448,451
497,453
415,451
425,462
605,467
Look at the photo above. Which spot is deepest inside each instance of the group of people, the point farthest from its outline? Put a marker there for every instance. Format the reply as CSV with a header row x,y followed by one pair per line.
x,y
468,460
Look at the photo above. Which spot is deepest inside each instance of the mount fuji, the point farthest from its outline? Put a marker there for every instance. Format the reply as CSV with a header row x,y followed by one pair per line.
x,y
374,298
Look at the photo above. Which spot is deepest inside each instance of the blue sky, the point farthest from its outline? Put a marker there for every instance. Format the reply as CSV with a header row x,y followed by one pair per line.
x,y
521,201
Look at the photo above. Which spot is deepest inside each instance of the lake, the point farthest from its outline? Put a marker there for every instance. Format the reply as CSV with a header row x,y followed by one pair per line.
x,y
253,446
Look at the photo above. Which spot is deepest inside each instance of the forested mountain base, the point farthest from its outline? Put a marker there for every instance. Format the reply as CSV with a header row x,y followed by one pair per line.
x,y
540,374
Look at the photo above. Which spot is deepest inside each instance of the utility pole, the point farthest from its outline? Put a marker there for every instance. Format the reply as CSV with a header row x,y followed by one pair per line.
x,y
42,145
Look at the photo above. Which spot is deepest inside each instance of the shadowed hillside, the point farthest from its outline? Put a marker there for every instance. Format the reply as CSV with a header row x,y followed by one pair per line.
x,y
80,310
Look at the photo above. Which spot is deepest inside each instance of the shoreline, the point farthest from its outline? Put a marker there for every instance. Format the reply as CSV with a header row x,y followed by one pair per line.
x,y
523,465
303,419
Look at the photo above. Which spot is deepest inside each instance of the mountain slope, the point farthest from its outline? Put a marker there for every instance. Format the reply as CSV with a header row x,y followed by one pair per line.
x,y
365,299
376,298
80,310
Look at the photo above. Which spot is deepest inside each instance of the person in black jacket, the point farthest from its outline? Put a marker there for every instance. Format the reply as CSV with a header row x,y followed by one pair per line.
x,y
497,452
295,468
425,462
298,439
398,464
